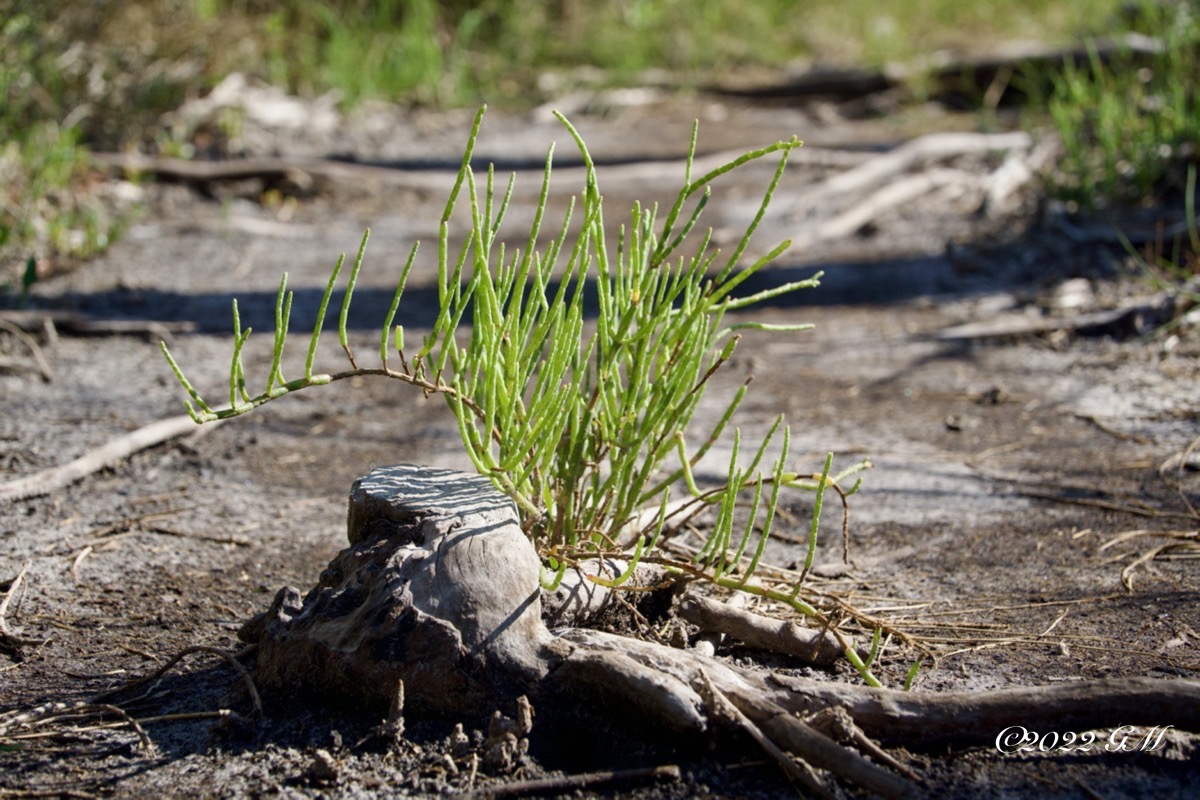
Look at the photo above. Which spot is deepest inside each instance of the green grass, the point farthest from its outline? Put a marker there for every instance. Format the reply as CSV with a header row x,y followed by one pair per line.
x,y
1130,126
40,159
68,83
863,32
1172,264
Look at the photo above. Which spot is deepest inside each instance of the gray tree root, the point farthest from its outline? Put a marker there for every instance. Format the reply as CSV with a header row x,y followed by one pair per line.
x,y
765,633
438,598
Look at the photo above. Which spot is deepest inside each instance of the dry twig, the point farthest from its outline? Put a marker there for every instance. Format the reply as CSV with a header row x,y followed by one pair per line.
x,y
568,783
797,771
158,673
50,480
35,352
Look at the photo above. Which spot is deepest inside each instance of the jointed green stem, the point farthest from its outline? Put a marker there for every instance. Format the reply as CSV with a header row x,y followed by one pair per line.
x,y
579,422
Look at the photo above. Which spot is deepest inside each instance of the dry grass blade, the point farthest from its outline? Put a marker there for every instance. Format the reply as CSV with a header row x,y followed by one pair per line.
x,y
61,712
1186,542
1125,536
1140,509
231,658
1180,462
7,638
943,630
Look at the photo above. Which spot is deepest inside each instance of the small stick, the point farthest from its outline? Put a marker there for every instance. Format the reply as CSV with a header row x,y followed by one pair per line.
x,y
143,737
797,771
175,659
182,716
55,478
567,783
34,350
1104,504
842,726
819,750
200,537
58,793
711,637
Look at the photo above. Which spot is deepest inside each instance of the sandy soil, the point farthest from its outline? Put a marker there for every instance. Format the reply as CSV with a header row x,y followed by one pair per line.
x,y
1005,468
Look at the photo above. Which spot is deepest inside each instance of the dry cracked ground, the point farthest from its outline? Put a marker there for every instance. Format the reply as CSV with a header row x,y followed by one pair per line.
x,y
1029,518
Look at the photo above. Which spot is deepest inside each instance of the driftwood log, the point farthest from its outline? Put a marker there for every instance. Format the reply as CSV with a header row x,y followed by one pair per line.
x,y
436,604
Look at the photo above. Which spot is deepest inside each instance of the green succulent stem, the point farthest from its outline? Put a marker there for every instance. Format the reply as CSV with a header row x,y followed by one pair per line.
x,y
574,367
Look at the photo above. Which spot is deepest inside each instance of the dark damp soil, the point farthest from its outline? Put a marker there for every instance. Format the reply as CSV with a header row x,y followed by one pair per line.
x,y
994,526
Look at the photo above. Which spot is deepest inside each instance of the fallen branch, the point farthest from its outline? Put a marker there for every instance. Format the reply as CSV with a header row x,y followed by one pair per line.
x,y
919,152
763,633
848,201
889,196
918,720
1020,324
303,171
84,325
55,478
990,73
970,74
1016,172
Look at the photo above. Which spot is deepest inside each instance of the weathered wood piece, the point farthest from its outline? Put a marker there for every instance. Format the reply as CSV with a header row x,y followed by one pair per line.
x,y
854,198
438,589
765,633
83,325
1138,315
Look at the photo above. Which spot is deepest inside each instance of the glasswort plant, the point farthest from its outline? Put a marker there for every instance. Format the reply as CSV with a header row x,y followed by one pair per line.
x,y
584,426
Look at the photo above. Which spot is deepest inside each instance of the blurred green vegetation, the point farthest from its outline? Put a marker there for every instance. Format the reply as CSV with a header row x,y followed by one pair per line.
x,y
100,74
459,52
1131,125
